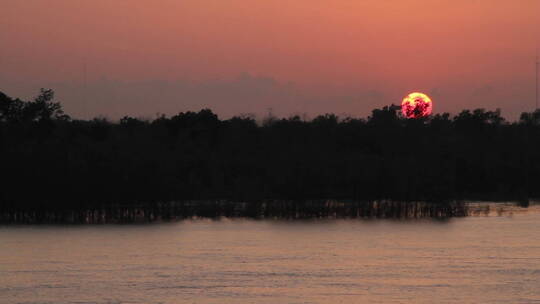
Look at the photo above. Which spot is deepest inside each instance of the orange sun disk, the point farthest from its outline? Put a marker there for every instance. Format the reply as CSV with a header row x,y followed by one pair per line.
x,y
416,105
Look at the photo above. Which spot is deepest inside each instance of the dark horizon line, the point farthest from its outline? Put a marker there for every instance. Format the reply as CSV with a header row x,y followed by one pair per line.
x,y
261,118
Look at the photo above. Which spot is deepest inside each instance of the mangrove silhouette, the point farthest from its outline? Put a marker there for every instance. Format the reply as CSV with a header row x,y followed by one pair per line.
x,y
58,169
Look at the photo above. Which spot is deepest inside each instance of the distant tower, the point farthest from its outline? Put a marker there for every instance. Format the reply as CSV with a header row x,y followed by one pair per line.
x,y
536,80
84,89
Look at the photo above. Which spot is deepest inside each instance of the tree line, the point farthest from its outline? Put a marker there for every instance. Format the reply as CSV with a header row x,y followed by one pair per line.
x,y
51,162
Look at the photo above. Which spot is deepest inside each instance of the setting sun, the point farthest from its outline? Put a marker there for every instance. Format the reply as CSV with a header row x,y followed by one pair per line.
x,y
416,105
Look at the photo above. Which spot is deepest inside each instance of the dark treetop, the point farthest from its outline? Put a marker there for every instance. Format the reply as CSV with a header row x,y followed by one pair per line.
x,y
52,162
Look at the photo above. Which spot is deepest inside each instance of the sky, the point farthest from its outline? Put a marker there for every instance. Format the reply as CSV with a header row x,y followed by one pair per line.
x,y
143,58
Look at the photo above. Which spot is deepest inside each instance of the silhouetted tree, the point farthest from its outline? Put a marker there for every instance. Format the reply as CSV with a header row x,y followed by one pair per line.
x,y
55,167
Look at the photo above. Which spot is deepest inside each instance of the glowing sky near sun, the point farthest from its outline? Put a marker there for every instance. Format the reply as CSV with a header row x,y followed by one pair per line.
x,y
240,56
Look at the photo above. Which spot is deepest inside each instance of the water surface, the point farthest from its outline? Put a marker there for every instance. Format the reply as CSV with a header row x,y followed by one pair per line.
x,y
479,259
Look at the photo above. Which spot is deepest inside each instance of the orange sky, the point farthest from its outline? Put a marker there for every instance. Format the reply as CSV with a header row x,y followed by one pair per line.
x,y
245,56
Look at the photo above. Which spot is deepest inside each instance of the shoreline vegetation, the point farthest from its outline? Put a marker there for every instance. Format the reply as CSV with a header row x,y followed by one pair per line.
x,y
56,169
173,211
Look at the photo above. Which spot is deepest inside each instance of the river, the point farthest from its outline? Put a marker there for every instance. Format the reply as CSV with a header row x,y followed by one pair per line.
x,y
491,258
